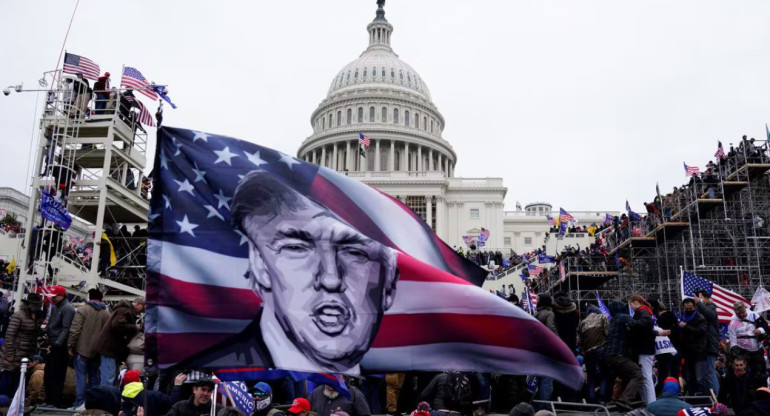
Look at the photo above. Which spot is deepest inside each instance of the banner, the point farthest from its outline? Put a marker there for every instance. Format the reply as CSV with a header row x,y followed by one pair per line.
x,y
663,345
761,300
268,261
54,211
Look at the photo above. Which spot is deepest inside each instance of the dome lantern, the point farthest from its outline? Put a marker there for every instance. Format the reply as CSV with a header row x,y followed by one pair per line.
x,y
379,30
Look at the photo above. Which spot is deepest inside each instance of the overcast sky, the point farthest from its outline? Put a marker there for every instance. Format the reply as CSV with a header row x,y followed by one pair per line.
x,y
578,103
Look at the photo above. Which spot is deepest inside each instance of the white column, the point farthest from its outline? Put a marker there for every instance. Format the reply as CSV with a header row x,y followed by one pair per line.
x,y
334,156
347,155
323,156
440,221
392,156
441,162
377,155
312,156
419,158
430,160
429,210
406,157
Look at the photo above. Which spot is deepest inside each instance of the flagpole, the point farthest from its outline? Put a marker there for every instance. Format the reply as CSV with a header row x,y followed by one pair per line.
x,y
681,282
214,401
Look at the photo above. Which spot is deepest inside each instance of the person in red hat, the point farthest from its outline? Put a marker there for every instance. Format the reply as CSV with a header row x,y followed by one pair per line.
x,y
299,407
102,90
58,330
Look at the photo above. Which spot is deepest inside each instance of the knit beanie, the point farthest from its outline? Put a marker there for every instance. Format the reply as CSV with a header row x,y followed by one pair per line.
x,y
671,385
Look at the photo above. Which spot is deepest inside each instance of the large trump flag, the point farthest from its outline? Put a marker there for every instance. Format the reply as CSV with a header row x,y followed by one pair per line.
x,y
259,260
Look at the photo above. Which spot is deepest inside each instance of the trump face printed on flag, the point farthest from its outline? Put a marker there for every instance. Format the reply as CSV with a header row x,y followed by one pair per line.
x,y
325,285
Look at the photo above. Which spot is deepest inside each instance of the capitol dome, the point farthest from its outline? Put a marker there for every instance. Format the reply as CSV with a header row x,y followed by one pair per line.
x,y
383,98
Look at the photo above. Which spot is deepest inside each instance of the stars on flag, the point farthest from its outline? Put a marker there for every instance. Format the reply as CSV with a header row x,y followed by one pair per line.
x,y
254,158
177,145
167,200
288,160
244,239
225,156
185,186
198,174
163,161
199,135
185,226
222,200
213,212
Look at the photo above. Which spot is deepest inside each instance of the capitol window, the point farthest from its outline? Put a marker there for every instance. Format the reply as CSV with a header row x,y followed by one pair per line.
x,y
416,120
395,115
406,118
356,75
384,114
431,126
330,120
323,122
409,79
360,114
348,75
527,241
365,69
339,118
392,73
350,116
401,76
507,241
374,72
425,123
371,114
475,213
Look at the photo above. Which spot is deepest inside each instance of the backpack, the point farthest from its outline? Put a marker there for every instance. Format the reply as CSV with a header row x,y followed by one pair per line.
x,y
459,389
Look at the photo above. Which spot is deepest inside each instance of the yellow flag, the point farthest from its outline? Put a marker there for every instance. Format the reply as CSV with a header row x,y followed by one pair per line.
x,y
592,230
11,266
113,259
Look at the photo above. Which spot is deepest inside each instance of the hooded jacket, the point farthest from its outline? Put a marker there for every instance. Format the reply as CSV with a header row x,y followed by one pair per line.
x,y
86,327
642,332
567,319
668,404
618,338
544,312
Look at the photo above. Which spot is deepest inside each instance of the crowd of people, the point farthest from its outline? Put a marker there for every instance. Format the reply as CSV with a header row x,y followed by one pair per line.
x,y
625,359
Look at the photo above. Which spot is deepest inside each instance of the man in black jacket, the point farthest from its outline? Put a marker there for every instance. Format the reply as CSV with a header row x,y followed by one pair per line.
x,y
693,342
708,309
642,335
198,404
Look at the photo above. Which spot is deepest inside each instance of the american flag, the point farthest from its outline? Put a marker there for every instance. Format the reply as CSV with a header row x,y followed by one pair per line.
x,y
132,78
363,140
722,298
529,301
76,63
720,154
196,262
534,270
551,220
690,170
144,116
562,272
565,216
484,233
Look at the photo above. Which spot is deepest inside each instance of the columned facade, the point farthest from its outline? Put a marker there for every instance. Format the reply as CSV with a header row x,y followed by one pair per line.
x,y
380,96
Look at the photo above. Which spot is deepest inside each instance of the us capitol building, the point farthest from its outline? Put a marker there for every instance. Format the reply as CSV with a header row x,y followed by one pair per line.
x,y
384,98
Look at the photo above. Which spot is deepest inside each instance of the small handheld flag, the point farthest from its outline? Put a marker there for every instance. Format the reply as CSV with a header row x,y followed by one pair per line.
x,y
690,170
363,140
720,154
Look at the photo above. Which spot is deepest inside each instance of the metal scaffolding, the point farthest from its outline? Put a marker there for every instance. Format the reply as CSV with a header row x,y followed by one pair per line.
x,y
91,156
715,227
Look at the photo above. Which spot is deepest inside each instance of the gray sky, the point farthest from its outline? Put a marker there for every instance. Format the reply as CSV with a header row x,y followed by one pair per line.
x,y
579,103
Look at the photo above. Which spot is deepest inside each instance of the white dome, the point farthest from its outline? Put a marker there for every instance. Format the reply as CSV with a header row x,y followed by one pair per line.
x,y
379,67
